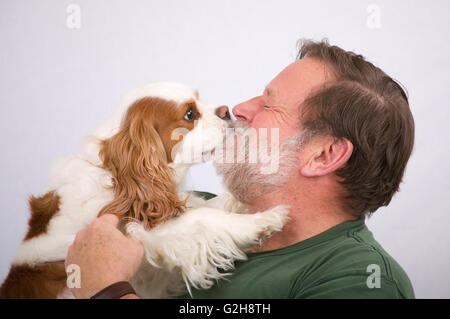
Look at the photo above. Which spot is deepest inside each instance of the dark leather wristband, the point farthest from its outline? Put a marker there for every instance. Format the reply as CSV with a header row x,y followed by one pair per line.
x,y
115,291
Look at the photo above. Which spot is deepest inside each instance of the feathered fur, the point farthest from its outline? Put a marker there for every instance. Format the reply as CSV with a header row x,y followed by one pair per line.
x,y
131,166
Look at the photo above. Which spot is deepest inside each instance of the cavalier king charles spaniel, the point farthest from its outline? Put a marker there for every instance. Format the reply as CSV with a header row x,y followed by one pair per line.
x,y
132,165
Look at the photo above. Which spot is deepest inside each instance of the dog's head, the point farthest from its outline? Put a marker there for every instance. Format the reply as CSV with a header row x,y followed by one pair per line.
x,y
164,128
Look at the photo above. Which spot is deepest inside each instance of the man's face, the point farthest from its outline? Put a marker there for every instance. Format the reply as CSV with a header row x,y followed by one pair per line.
x,y
276,109
278,106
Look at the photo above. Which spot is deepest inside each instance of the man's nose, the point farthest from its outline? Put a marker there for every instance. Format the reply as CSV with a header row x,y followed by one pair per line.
x,y
223,113
244,112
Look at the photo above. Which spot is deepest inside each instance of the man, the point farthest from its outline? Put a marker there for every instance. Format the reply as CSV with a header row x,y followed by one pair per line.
x,y
354,133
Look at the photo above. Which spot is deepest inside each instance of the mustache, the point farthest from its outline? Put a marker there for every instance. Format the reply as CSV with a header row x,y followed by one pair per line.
x,y
239,124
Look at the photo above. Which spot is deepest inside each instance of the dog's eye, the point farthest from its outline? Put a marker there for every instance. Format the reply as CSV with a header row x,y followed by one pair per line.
x,y
190,115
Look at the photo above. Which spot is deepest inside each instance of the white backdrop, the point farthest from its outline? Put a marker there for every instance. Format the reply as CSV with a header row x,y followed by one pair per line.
x,y
60,77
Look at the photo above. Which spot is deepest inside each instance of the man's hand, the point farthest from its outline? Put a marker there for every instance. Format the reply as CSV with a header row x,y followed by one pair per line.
x,y
104,255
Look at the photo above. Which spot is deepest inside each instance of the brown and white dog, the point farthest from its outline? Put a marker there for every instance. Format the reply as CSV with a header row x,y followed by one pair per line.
x,y
132,165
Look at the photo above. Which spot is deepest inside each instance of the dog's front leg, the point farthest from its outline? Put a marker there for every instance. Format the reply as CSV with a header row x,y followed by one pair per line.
x,y
249,230
226,201
204,243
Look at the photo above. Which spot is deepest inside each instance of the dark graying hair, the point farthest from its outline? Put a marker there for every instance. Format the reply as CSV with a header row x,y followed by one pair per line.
x,y
367,107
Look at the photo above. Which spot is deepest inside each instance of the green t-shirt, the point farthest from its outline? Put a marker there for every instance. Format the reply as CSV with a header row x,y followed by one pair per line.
x,y
344,261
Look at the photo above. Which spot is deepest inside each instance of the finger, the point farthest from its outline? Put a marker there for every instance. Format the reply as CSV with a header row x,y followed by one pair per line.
x,y
68,257
135,241
79,236
139,245
111,219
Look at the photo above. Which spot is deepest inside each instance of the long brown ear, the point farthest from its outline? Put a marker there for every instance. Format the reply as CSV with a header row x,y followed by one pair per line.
x,y
142,180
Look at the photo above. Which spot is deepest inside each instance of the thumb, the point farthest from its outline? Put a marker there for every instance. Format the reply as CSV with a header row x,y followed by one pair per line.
x,y
110,219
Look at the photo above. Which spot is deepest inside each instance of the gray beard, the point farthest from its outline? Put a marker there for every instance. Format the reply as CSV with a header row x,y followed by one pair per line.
x,y
245,180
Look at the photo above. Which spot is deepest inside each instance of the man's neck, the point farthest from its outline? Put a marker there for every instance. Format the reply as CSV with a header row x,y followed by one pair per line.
x,y
308,218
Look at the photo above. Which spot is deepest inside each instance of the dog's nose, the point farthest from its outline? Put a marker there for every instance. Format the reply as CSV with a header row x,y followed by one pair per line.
x,y
223,113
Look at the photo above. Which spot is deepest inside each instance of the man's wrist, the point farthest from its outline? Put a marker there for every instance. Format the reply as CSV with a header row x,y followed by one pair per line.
x,y
115,291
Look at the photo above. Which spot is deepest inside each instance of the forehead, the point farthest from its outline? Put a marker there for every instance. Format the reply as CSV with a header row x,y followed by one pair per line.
x,y
296,81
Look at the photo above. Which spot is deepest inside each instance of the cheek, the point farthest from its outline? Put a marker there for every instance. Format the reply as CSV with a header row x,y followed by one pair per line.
x,y
264,119
168,145
173,135
268,119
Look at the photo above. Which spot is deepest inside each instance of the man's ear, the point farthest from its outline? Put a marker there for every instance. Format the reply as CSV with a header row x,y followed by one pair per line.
x,y
328,155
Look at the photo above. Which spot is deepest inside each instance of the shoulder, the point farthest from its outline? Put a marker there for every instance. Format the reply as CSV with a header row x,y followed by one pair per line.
x,y
355,267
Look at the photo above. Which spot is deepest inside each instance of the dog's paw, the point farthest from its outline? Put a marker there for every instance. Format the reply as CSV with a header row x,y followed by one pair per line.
x,y
231,204
272,221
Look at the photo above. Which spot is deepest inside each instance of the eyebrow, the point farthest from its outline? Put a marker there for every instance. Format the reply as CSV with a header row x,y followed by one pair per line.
x,y
269,92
